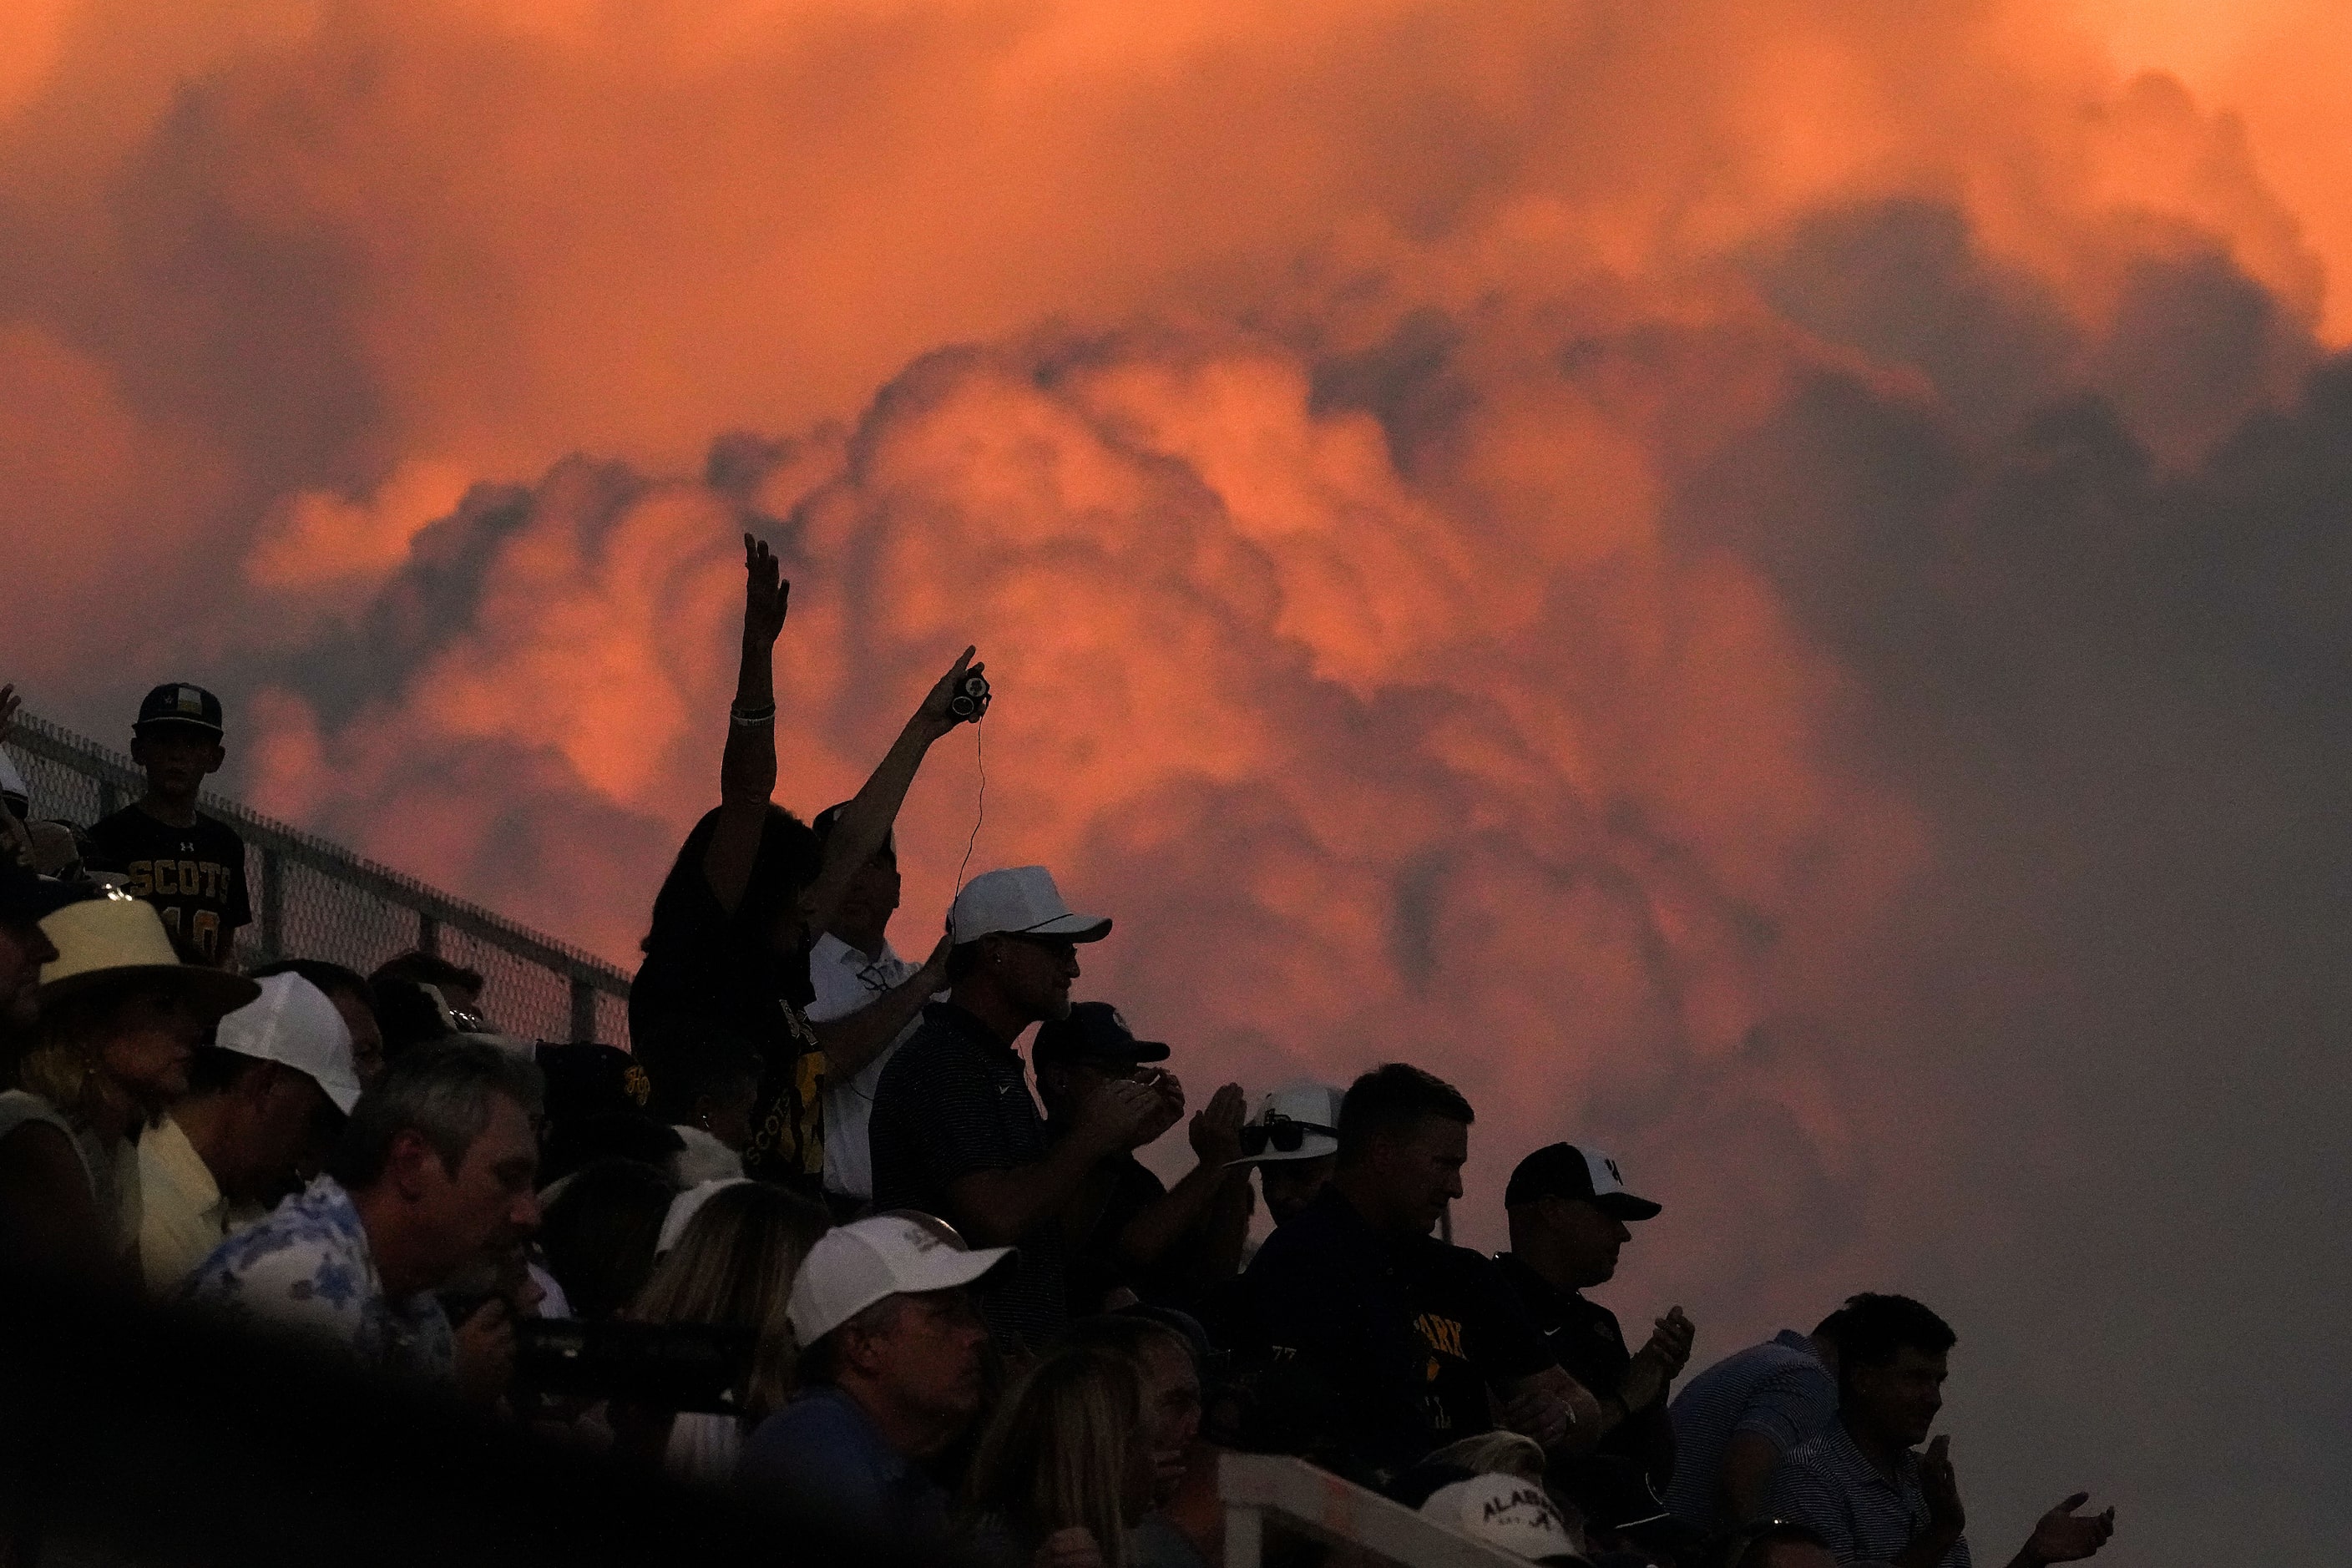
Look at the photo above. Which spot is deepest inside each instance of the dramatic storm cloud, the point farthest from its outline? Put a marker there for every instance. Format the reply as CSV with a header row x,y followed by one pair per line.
x,y
1763,586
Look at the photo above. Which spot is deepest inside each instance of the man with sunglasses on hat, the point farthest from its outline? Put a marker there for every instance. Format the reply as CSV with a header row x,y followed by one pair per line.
x,y
1294,1143
1146,1241
954,1131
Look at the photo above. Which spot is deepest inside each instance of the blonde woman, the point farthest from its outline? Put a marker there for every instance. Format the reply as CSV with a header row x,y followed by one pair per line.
x,y
733,1267
1064,1470
120,1020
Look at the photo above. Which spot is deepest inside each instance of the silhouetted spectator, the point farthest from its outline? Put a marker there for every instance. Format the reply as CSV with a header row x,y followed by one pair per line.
x,y
1064,1470
955,1132
25,899
734,1266
1862,1486
278,1073
189,866
751,890
1176,1533
459,988
119,1017
1378,1343
1294,1143
1144,1241
1734,1421
602,1231
1568,1210
347,989
708,1083
868,1003
892,1375
432,1177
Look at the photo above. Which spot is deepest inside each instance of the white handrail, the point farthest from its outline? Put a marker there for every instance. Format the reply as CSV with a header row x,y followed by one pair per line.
x,y
1259,1489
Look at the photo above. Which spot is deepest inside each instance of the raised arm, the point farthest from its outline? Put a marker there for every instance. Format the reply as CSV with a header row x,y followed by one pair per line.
x,y
867,820
747,771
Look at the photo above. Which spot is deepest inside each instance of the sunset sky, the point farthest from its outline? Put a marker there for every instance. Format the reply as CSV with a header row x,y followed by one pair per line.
x,y
1763,585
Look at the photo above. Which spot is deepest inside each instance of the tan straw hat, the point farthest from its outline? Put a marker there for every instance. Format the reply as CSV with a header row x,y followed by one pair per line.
x,y
107,942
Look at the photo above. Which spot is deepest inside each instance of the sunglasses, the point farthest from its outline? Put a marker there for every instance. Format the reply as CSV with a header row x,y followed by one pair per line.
x,y
1281,1134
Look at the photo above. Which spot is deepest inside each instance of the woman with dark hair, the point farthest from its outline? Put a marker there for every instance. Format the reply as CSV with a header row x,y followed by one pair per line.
x,y
751,890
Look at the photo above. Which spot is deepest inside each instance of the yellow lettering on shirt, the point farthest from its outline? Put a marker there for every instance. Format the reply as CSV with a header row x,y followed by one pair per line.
x,y
142,879
192,879
1443,1334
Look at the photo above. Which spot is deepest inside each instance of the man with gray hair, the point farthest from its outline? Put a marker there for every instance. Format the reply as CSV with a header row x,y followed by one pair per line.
x,y
434,1174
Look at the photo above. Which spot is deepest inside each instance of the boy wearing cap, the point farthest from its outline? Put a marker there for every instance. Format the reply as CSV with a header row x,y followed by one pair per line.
x,y
954,1131
278,1068
891,1375
189,866
1159,1244
1569,1209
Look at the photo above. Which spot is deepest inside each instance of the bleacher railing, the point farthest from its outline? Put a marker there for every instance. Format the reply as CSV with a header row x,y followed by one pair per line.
x,y
312,898
1272,1502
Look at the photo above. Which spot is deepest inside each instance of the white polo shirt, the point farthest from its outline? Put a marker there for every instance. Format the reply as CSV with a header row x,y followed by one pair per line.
x,y
846,981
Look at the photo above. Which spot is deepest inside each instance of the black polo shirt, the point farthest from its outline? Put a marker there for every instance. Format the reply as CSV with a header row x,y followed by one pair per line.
x,y
1375,1350
1586,1341
953,1100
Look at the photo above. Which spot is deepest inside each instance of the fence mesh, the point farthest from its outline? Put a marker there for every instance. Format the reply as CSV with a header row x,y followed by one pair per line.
x,y
314,899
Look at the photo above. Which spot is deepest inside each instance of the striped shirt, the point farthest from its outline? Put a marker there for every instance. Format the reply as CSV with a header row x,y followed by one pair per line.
x,y
1778,1391
1831,1488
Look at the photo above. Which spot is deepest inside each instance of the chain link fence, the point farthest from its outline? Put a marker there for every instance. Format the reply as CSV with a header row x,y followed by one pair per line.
x,y
314,899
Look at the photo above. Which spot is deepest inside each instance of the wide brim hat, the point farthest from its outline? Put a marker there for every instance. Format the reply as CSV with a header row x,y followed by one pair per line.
x,y
104,943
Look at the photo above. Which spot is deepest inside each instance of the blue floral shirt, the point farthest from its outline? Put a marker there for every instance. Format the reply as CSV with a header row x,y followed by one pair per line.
x,y
307,1267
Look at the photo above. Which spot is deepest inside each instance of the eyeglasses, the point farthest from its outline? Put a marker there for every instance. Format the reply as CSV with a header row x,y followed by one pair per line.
x,y
1281,1133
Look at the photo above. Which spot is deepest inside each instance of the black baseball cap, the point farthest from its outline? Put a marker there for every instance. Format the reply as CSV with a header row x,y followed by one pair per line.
x,y
1565,1170
1094,1032
176,703
27,899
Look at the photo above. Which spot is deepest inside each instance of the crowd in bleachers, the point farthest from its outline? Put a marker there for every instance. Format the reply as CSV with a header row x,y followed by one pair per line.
x,y
823,1232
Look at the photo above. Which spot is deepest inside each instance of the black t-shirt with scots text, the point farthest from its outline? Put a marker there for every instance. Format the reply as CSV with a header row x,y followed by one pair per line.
x,y
194,876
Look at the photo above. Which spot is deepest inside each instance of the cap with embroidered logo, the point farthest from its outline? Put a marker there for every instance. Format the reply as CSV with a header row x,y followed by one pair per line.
x,y
1565,1170
901,1253
176,703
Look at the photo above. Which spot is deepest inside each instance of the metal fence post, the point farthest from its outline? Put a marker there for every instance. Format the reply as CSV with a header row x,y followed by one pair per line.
x,y
273,905
584,1008
429,934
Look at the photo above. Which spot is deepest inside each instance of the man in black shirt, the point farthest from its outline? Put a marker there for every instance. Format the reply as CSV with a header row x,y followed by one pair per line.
x,y
1375,1343
1134,1235
1569,1209
954,1133
189,866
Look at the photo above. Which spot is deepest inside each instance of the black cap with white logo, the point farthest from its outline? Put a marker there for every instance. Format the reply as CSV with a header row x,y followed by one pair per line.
x,y
175,703
1565,1170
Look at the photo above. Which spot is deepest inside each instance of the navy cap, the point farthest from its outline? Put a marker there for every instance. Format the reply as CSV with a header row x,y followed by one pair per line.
x,y
27,899
1094,1032
176,703
1565,1170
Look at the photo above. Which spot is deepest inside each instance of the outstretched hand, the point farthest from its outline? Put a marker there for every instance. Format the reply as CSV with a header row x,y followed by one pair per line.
x,y
936,715
765,592
2062,1535
9,703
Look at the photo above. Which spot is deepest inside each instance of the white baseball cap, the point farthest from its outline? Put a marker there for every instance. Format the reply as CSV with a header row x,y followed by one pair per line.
x,y
901,1253
1314,1107
293,1022
1020,901
1509,1513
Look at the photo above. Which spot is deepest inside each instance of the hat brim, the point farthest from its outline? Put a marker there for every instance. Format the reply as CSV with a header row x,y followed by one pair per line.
x,y
964,1268
1625,1205
1314,1146
1076,927
149,726
216,990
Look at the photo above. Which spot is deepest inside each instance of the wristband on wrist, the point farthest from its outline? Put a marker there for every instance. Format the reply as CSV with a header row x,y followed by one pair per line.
x,y
751,717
